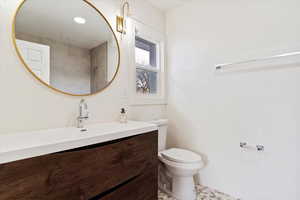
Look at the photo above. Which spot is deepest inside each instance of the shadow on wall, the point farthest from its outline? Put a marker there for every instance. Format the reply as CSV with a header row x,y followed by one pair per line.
x,y
205,161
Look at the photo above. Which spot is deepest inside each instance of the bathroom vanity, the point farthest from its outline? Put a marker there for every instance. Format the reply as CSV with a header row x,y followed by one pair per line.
x,y
108,161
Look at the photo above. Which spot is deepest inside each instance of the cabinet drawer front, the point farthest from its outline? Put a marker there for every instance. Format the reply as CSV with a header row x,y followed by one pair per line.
x,y
80,173
143,187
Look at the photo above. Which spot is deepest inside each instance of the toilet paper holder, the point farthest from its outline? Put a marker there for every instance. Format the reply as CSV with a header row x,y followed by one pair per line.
x,y
258,147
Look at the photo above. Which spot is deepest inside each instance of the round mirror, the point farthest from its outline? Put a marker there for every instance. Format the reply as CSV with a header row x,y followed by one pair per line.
x,y
67,45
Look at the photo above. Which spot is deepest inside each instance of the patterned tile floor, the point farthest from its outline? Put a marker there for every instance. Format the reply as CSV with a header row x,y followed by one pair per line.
x,y
203,193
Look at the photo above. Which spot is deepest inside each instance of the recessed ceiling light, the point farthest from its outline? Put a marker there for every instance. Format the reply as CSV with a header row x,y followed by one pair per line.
x,y
79,20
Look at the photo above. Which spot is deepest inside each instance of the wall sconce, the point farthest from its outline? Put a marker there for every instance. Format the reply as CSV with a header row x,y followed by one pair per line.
x,y
121,20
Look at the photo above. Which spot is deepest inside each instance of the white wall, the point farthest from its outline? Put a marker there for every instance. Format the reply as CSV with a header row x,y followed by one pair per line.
x,y
211,113
27,105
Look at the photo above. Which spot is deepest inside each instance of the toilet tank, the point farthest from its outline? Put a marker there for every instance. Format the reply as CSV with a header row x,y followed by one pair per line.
x,y
162,133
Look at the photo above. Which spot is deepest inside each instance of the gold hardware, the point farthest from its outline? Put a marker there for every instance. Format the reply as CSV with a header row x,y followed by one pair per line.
x,y
121,20
120,25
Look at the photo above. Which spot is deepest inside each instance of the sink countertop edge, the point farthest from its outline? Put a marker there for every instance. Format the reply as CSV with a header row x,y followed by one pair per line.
x,y
58,146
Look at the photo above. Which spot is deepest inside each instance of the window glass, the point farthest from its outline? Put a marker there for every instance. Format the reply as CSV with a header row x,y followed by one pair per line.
x,y
142,56
146,82
146,52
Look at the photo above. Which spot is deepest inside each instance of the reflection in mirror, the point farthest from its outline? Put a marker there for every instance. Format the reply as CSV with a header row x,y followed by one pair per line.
x,y
70,47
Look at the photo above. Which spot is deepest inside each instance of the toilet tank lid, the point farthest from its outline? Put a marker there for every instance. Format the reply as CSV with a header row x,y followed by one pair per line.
x,y
159,122
181,155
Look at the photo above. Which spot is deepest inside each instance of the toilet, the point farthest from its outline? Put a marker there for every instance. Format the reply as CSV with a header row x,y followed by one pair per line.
x,y
178,167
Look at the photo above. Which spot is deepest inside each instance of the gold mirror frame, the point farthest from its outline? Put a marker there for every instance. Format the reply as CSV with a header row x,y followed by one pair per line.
x,y
48,85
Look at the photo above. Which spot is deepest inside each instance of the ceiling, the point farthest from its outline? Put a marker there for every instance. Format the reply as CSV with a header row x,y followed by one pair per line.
x,y
166,5
53,19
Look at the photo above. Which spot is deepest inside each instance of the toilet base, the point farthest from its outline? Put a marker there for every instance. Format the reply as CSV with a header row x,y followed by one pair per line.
x,y
183,188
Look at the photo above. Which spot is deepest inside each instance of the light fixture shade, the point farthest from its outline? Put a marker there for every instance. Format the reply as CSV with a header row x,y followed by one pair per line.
x,y
120,25
121,20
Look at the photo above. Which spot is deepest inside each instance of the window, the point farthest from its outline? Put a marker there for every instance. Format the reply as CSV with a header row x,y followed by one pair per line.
x,y
147,66
147,77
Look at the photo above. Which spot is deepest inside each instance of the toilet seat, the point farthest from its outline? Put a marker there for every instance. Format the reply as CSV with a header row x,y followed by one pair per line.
x,y
186,166
181,156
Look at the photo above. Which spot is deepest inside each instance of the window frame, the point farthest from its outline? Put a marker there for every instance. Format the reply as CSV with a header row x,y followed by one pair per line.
x,y
148,34
156,69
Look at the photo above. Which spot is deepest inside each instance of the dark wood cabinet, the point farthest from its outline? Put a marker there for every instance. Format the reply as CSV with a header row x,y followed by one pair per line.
x,y
124,169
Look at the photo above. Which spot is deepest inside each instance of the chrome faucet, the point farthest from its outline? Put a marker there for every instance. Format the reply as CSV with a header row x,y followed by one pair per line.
x,y
83,113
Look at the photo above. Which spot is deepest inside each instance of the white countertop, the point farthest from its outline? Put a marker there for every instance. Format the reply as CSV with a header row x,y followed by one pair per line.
x,y
20,146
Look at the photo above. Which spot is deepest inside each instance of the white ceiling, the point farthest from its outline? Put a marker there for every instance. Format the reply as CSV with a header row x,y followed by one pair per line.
x,y
53,19
166,5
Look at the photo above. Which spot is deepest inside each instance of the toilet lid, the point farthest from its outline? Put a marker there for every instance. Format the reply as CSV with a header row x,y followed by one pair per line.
x,y
181,156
